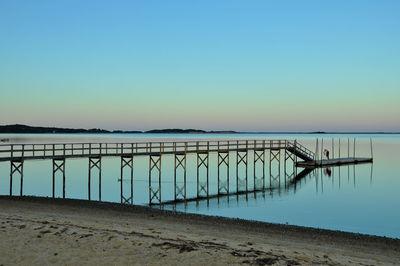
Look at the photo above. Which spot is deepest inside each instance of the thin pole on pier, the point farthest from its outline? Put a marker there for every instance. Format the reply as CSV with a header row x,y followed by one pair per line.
x,y
237,167
122,178
175,171
22,178
295,157
247,154
339,149
322,147
354,148
348,147
370,140
333,149
254,165
184,174
208,157
11,175
339,174
99,179
89,176
132,180
159,174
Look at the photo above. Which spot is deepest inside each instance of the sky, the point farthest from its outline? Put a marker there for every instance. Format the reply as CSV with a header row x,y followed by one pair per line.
x,y
213,65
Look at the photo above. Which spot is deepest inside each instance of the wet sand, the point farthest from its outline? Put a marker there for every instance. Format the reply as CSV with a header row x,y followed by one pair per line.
x,y
46,231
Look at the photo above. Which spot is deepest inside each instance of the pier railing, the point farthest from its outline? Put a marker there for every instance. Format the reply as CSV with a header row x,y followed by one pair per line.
x,y
9,152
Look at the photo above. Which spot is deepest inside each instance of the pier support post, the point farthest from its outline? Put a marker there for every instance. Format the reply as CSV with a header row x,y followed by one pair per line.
x,y
289,156
202,160
127,162
274,155
17,166
241,159
58,165
155,187
180,162
94,162
259,156
223,159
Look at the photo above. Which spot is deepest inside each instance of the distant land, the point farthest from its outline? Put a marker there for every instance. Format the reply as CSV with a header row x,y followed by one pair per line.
x,y
43,130
25,129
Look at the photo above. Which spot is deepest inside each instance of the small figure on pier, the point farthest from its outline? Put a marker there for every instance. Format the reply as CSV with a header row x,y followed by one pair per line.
x,y
326,152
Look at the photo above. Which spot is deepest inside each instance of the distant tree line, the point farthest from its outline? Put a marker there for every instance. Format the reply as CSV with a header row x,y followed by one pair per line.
x,y
17,128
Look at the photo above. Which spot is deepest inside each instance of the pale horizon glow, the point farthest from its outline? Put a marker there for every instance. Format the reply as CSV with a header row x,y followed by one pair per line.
x,y
229,65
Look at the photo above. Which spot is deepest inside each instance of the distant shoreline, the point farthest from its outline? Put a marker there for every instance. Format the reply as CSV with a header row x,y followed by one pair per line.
x,y
25,129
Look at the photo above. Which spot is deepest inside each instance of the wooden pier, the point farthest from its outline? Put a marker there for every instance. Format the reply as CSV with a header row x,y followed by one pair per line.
x,y
238,150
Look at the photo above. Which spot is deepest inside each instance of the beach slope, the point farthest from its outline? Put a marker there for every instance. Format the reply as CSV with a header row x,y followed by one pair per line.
x,y
46,231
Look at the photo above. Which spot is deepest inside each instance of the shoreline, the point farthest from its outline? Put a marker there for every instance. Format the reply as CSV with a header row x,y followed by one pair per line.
x,y
180,238
185,215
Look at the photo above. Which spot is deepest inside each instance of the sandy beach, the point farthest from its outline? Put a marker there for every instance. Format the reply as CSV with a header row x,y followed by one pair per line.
x,y
65,232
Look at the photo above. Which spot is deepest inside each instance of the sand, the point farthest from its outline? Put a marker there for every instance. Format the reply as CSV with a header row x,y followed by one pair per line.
x,y
38,231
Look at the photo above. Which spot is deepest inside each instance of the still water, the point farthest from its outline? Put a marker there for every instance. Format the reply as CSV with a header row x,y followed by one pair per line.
x,y
362,198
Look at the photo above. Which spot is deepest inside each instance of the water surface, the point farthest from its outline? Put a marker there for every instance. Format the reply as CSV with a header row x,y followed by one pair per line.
x,y
362,198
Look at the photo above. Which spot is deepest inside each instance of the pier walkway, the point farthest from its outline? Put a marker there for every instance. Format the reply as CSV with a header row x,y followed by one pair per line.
x,y
18,152
293,153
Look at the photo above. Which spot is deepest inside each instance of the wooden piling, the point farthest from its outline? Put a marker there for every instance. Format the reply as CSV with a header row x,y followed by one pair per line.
x,y
370,140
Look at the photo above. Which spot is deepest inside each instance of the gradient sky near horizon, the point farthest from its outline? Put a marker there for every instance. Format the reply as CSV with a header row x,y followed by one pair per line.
x,y
215,65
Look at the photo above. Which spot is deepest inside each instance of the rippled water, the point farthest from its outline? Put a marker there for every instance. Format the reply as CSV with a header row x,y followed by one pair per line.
x,y
362,198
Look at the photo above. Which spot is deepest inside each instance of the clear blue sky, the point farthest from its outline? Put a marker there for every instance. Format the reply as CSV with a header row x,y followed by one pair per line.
x,y
241,65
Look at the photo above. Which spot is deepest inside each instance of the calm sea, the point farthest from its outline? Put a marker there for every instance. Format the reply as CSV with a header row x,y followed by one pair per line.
x,y
362,198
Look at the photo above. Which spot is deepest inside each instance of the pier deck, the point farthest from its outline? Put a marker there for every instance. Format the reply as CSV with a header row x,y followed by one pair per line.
x,y
333,162
20,152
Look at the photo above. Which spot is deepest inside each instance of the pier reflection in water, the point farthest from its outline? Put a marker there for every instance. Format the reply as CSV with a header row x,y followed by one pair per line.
x,y
289,184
